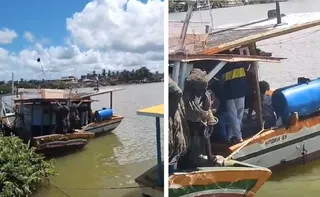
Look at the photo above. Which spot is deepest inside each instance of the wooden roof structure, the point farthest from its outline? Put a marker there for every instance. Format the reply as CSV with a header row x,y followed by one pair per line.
x,y
237,36
223,57
62,96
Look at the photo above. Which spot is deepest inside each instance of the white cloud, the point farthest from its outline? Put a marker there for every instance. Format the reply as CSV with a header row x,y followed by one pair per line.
x,y
7,36
28,36
102,36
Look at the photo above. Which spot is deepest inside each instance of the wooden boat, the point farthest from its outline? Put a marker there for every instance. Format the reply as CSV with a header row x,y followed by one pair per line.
x,y
151,181
235,179
107,125
288,143
38,119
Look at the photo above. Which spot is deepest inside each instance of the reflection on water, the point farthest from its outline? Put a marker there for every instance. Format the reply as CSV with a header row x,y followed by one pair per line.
x,y
116,159
302,50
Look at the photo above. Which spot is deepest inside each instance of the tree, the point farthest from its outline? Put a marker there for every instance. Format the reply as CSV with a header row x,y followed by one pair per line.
x,y
94,73
109,73
104,72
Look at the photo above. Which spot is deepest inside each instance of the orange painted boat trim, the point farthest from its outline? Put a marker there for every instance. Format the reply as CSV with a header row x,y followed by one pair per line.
x,y
211,177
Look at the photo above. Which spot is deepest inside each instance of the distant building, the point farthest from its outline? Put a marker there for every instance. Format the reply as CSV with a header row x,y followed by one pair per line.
x,y
69,79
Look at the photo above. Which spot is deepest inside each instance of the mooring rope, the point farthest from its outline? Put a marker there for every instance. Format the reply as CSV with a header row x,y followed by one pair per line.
x,y
63,190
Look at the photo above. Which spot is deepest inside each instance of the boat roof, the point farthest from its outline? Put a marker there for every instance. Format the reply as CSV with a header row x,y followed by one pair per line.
x,y
154,111
235,36
33,101
96,93
63,95
224,57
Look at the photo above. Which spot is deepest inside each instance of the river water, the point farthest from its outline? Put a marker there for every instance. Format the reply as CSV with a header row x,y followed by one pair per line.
x,y
302,50
116,159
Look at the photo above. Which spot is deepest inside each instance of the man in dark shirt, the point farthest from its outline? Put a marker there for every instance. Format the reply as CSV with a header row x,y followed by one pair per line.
x,y
235,89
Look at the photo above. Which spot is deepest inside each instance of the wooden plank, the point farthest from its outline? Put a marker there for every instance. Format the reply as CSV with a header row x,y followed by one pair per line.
x,y
259,37
89,94
256,87
223,57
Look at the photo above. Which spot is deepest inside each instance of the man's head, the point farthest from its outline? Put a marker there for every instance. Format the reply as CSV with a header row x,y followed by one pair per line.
x,y
196,82
264,87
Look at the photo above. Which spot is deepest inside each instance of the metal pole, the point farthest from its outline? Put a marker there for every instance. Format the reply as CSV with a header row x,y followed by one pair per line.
x,y
159,170
111,100
186,22
278,13
12,84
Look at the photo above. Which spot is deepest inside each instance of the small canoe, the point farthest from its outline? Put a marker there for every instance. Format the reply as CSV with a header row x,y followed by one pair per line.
x,y
235,179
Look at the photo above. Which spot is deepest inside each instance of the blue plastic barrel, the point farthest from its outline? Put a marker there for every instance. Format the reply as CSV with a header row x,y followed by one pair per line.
x,y
302,98
103,114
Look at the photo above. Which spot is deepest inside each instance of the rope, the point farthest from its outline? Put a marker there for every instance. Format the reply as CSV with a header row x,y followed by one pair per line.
x,y
106,188
62,190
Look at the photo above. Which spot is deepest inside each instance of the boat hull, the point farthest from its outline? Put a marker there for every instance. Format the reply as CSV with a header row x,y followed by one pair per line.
x,y
229,181
105,126
283,147
56,143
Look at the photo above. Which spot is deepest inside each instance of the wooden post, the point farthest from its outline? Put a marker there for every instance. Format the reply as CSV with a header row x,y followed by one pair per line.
x,y
159,160
42,114
278,13
110,100
256,87
175,72
31,125
50,119
183,75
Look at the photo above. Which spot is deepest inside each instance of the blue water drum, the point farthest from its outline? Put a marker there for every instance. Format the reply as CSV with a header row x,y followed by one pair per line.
x,y
302,98
103,114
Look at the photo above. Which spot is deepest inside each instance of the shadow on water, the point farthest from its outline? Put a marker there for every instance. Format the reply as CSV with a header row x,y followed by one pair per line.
x,y
62,152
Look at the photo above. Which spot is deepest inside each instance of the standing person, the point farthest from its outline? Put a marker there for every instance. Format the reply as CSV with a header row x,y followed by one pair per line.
x,y
235,89
197,102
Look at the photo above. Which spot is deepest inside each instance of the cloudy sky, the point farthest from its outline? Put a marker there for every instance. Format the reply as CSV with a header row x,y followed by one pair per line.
x,y
78,36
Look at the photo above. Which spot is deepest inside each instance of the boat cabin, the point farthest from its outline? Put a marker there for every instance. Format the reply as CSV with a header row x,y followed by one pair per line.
x,y
56,112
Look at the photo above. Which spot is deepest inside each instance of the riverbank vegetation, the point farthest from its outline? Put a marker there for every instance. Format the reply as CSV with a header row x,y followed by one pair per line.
x,y
106,78
21,168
